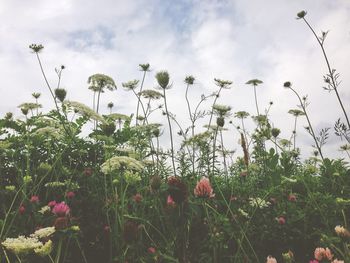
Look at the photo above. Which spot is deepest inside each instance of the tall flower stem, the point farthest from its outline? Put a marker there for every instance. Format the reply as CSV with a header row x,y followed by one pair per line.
x,y
256,100
302,105
139,100
212,107
192,125
330,71
170,132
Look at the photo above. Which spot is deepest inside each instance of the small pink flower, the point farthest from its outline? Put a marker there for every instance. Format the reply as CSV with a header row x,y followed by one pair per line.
x,y
21,209
281,220
34,199
319,253
137,198
203,188
313,261
270,259
61,209
292,197
338,261
151,250
51,204
70,195
170,201
107,229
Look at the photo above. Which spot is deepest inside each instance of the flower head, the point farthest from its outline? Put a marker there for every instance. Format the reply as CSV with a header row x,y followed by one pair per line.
x,y
170,201
34,199
22,209
70,195
342,231
137,198
22,245
61,209
177,189
204,189
163,79
270,259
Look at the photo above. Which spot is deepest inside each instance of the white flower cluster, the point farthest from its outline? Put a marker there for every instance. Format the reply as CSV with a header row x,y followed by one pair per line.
x,y
258,202
22,245
44,232
121,162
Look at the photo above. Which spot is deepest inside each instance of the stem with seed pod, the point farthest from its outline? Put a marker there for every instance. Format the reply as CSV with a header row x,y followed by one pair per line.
x,y
334,83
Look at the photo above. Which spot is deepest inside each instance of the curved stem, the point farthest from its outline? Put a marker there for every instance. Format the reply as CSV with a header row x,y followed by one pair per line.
x,y
331,73
308,121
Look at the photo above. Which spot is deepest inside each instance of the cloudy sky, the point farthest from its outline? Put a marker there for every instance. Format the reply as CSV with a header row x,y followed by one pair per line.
x,y
235,40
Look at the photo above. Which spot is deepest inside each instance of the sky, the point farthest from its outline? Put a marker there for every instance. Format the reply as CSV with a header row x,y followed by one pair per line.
x,y
235,40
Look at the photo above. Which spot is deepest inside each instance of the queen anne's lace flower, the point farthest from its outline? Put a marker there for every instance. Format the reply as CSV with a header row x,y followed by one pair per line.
x,y
22,245
44,250
43,232
121,162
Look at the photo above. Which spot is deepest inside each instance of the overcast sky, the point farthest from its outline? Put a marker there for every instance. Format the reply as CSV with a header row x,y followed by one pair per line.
x,y
235,40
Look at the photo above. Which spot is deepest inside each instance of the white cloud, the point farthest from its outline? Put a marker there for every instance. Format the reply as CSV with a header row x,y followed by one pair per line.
x,y
235,40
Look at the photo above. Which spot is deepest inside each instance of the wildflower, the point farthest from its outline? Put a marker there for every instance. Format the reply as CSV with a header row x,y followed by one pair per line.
x,y
44,250
22,245
70,195
292,197
60,94
288,256
144,67
151,250
34,199
301,14
281,220
36,48
342,231
170,201
121,162
84,110
258,202
321,253
243,174
338,261
177,189
163,79
130,85
243,213
131,177
204,189
10,188
43,232
61,209
61,223
27,179
225,84
150,94
189,80
22,209
75,228
137,198
51,204
270,259
313,261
